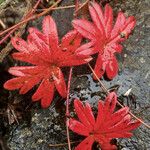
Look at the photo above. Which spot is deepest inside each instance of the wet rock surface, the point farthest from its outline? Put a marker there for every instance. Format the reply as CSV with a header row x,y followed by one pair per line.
x,y
48,126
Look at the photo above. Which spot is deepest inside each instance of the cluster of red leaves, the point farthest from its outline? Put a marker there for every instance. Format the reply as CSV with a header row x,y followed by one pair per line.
x,y
108,124
47,56
43,51
104,37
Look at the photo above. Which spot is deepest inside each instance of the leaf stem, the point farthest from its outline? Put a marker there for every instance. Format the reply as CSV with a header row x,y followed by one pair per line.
x,y
107,92
68,93
101,83
67,107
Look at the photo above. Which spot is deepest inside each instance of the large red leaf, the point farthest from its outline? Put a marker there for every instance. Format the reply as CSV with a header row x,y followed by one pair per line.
x,y
105,36
48,57
109,124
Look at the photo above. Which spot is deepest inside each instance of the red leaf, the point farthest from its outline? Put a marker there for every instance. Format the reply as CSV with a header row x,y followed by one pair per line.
x,y
27,70
86,144
19,44
89,114
100,116
108,17
48,57
112,68
85,117
29,84
60,83
100,66
28,58
110,102
86,28
50,30
105,36
71,40
108,125
118,116
48,94
39,92
38,42
97,17
85,50
78,127
44,92
14,83
108,146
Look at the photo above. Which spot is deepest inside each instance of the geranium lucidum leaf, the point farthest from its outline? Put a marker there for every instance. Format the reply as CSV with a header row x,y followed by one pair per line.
x,y
106,36
108,125
47,57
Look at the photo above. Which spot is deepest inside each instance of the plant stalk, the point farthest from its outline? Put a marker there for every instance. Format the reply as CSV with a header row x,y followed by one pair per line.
x,y
67,107
107,92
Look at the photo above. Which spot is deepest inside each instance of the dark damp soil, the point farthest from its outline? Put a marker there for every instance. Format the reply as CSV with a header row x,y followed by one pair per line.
x,y
40,129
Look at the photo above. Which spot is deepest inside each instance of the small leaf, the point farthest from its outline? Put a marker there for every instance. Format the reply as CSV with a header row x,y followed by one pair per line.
x,y
108,125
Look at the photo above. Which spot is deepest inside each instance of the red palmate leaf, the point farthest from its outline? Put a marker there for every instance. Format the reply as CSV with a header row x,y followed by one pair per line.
x,y
47,56
105,37
108,124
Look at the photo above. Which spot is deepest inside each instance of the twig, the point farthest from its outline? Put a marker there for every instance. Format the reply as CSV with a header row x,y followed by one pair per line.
x,y
2,24
76,11
68,136
31,12
8,48
107,92
62,144
14,115
25,16
67,107
6,36
76,7
34,8
30,18
62,7
68,93
101,83
134,116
